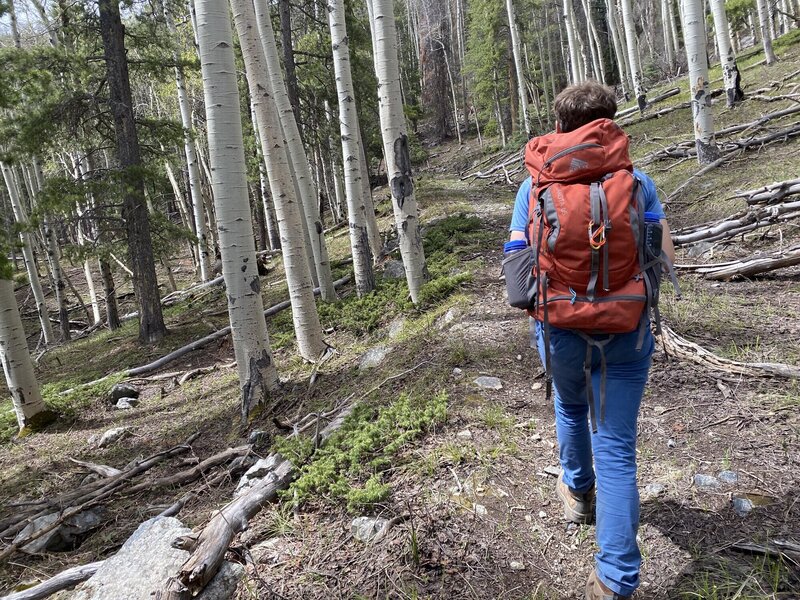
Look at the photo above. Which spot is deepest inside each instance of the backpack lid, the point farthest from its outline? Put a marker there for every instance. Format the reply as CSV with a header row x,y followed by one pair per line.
x,y
580,156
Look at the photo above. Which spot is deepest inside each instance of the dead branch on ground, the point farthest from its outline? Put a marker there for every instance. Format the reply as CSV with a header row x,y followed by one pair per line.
x,y
65,580
747,267
772,193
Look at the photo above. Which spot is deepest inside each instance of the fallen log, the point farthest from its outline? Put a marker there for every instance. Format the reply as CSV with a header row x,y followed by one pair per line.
x,y
772,193
197,344
660,98
739,223
679,347
749,266
63,581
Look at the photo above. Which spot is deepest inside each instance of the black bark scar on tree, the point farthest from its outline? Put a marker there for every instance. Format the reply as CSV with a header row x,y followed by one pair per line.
x,y
255,285
254,383
402,185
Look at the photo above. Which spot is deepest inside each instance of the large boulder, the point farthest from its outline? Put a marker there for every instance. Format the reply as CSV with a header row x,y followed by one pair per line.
x,y
63,538
122,390
146,561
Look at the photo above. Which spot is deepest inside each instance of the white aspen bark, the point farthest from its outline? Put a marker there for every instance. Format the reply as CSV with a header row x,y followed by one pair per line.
x,y
594,44
574,63
300,164
695,41
771,18
515,48
619,52
27,253
17,364
287,206
257,374
374,232
337,181
633,54
730,73
673,28
395,143
87,267
269,211
766,37
53,259
665,28
195,183
351,150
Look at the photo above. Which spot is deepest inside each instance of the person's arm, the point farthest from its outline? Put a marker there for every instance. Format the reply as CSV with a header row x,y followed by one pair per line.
x,y
667,246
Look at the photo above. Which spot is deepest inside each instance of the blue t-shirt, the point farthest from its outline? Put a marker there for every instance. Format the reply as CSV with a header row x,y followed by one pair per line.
x,y
519,221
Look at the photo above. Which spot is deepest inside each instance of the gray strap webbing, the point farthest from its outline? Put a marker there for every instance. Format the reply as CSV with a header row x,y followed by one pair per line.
x,y
607,230
587,372
594,203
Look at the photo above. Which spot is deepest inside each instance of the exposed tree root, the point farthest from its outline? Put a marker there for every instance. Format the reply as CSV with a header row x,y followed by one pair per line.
x,y
680,347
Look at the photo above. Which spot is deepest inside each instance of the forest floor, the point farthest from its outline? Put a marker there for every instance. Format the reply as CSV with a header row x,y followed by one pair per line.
x,y
469,469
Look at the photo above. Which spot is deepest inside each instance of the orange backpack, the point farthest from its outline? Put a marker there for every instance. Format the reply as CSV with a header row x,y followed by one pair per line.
x,y
586,228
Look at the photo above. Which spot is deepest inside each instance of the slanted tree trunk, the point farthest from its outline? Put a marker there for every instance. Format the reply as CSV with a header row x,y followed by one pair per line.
x,y
27,253
25,396
257,374
337,181
669,55
374,232
284,8
521,86
287,206
395,143
619,47
695,41
269,211
134,208
633,54
766,32
193,167
730,72
351,150
110,294
297,154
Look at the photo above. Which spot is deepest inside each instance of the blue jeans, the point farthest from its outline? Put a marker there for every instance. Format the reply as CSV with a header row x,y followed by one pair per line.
x,y
613,446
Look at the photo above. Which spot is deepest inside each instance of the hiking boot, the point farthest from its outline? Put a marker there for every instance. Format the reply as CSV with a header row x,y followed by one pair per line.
x,y
595,590
578,508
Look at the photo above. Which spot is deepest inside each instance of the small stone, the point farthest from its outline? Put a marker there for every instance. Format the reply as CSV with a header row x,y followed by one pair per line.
x,y
373,357
728,477
519,356
126,403
542,514
537,386
536,437
465,434
451,315
122,390
671,443
699,249
396,327
67,536
109,437
554,471
655,489
394,269
489,383
480,510
458,373
528,518
258,438
364,529
706,482
742,506
517,566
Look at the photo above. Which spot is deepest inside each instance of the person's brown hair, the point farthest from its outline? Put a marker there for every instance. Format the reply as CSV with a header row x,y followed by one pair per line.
x,y
582,103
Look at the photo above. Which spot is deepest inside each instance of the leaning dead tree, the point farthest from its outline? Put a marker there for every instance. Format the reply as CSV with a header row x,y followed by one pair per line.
x,y
679,347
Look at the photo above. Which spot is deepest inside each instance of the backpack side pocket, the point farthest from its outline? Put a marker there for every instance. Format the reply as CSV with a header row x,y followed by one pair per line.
x,y
521,284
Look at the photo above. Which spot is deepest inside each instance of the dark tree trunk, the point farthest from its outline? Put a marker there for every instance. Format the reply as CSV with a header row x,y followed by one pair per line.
x,y
134,207
112,313
288,58
257,210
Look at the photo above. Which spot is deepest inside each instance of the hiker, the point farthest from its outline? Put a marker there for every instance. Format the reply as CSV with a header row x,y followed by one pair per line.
x,y
598,329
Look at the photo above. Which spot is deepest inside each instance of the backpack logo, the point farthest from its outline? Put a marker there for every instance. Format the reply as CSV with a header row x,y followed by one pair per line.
x,y
576,164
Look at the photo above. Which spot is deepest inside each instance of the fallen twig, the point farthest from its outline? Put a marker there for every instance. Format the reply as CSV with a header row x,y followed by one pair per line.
x,y
64,580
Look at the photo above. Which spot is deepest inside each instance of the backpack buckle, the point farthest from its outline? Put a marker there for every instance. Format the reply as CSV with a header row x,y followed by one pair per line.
x,y
597,237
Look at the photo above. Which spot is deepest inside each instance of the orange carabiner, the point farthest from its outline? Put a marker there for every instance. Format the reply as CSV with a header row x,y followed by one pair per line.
x,y
597,237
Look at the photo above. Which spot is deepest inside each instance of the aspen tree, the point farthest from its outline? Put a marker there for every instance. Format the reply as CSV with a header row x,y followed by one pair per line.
x,y
307,328
694,38
521,86
257,374
633,54
395,144
730,72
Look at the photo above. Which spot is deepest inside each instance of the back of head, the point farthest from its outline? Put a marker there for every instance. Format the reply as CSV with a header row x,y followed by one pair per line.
x,y
582,103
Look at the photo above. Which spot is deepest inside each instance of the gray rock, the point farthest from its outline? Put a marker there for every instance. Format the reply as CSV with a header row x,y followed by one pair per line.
x,y
517,565
126,403
706,482
699,249
655,489
466,434
554,471
258,438
480,510
65,537
671,443
458,373
365,529
742,506
489,383
394,269
122,390
144,563
396,327
109,437
728,477
373,357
